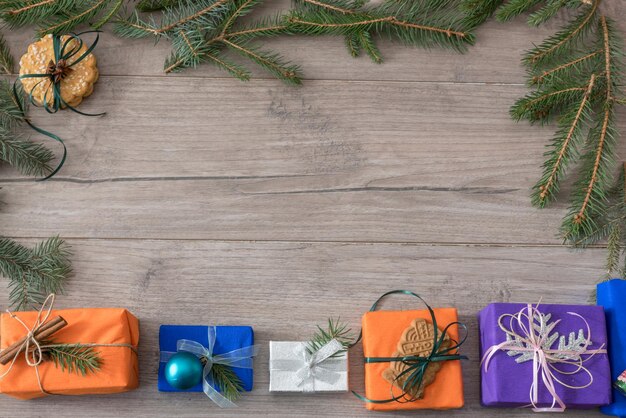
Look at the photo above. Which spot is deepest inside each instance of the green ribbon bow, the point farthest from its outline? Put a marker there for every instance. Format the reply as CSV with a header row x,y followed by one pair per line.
x,y
63,52
415,365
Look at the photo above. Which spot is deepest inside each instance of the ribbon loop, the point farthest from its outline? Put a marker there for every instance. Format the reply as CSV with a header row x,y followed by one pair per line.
x,y
318,365
529,335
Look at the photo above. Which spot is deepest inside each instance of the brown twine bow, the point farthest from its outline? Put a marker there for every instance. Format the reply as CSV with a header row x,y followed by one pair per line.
x,y
31,343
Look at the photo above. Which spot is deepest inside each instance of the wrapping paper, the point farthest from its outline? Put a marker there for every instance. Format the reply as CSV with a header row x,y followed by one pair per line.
x,y
286,360
119,370
381,332
612,296
507,383
228,338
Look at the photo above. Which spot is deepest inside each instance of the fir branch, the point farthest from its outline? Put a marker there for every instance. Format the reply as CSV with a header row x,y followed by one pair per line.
x,y
235,70
58,16
29,158
241,10
614,248
514,8
33,274
557,44
67,21
135,27
154,5
193,12
570,132
540,105
271,62
11,113
550,10
113,10
569,69
353,43
6,59
75,358
265,28
478,11
200,30
227,381
335,330
589,198
368,45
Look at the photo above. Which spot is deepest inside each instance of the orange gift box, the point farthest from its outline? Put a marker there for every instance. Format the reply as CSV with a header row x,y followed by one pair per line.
x,y
119,370
381,333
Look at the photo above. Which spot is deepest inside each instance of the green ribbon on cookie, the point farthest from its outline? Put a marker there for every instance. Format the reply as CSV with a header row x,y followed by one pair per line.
x,y
56,71
413,374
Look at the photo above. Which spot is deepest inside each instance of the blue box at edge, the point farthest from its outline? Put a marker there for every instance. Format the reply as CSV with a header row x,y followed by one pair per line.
x,y
612,296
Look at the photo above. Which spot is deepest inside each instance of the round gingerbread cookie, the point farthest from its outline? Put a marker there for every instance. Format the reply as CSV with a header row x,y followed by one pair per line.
x,y
76,81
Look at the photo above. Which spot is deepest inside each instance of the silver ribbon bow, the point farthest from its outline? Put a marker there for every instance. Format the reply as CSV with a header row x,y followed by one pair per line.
x,y
241,358
318,366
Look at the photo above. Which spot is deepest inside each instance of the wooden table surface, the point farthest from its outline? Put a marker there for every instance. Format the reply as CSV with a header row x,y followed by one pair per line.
x,y
199,199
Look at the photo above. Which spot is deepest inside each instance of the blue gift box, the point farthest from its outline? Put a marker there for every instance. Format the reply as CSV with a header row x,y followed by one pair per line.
x,y
227,338
612,296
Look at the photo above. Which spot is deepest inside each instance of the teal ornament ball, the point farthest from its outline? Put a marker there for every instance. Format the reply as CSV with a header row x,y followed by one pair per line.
x,y
183,371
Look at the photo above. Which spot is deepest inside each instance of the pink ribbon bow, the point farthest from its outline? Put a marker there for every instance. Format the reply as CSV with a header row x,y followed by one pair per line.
x,y
532,336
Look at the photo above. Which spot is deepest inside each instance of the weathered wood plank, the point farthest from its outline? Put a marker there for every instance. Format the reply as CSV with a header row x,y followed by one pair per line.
x,y
275,209
389,133
296,286
365,133
384,161
494,59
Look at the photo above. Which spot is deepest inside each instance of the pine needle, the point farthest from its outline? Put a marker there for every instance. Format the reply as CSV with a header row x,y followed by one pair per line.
x,y
58,16
29,158
201,31
335,329
227,381
34,274
6,59
75,358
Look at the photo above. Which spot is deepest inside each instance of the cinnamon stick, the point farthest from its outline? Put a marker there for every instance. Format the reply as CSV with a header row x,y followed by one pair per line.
x,y
44,331
44,335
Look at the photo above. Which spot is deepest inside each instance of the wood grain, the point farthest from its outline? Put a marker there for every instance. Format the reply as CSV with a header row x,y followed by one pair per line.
x,y
199,199
357,133
434,163
283,290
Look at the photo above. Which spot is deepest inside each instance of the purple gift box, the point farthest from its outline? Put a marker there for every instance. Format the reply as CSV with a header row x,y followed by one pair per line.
x,y
508,378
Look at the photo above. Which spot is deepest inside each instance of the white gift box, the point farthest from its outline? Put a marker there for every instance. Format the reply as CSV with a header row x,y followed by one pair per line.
x,y
294,369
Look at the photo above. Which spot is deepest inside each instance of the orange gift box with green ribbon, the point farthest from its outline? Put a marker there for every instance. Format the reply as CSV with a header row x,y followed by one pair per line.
x,y
412,358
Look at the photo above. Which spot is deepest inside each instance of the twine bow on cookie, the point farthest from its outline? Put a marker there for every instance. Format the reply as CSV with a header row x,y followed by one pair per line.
x,y
527,335
240,358
415,366
65,57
